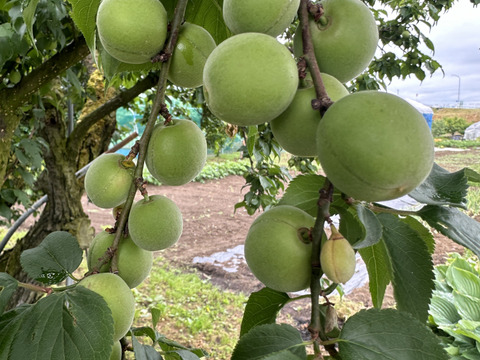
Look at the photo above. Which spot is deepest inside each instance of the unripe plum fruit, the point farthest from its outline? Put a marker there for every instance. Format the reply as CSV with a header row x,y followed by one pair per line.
x,y
132,31
337,258
194,45
374,146
270,17
116,351
276,250
134,263
346,42
249,79
155,223
176,152
118,297
296,128
108,180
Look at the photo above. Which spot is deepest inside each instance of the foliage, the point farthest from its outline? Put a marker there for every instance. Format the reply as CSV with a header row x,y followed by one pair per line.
x,y
453,312
459,144
449,125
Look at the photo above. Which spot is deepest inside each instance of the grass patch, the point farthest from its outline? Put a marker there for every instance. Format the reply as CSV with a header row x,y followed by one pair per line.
x,y
194,312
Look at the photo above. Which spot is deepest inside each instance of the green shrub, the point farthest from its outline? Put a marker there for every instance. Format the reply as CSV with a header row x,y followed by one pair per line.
x,y
449,125
454,313
462,144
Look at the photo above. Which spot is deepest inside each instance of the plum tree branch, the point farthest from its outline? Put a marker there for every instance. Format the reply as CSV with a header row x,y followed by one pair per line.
x,y
158,104
323,101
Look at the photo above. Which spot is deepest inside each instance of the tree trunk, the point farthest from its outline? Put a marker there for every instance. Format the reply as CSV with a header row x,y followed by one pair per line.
x,y
63,210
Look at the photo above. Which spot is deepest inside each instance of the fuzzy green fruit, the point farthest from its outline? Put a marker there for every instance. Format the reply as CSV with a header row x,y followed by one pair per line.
x,y
132,31
296,128
192,49
275,251
108,180
270,17
118,297
155,223
176,152
337,258
134,263
249,79
346,44
374,146
116,351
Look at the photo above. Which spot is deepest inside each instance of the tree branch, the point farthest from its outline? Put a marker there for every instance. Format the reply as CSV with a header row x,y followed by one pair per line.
x,y
122,99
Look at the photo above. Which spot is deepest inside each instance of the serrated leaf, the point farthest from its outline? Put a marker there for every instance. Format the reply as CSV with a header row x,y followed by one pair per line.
x,y
472,175
379,271
144,352
373,228
8,285
454,224
442,188
350,226
262,308
75,325
302,192
54,259
412,266
422,231
388,334
269,340
84,14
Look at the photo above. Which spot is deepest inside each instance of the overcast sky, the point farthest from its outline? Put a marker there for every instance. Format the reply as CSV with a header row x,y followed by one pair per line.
x,y
457,48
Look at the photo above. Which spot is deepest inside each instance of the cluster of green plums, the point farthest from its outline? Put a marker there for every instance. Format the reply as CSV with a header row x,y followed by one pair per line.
x,y
373,146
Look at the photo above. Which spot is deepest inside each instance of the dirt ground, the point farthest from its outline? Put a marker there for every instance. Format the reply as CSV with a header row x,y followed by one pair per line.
x,y
211,225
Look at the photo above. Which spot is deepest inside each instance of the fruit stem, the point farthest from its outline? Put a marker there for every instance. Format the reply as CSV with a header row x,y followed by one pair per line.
x,y
323,101
316,326
158,103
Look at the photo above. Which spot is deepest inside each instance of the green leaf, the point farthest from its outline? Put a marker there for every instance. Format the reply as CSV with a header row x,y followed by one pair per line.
x,y
8,285
29,18
467,307
379,270
464,281
270,340
472,175
412,266
442,309
443,188
350,226
422,231
144,352
454,224
302,192
75,325
54,259
388,334
262,308
373,228
84,14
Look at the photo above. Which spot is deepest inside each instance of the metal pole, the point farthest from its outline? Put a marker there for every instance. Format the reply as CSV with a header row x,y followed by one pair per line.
x,y
44,198
458,92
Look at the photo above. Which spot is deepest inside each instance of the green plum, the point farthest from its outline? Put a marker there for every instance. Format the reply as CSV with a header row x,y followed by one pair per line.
x,y
269,17
108,180
132,31
155,223
374,146
194,45
345,41
276,251
116,351
118,297
296,128
176,152
134,263
249,79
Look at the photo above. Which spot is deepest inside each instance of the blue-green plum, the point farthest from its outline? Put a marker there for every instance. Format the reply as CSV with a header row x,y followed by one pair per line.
x,y
269,17
108,180
374,146
134,263
118,297
132,31
249,79
296,128
176,152
345,41
155,223
277,249
194,45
